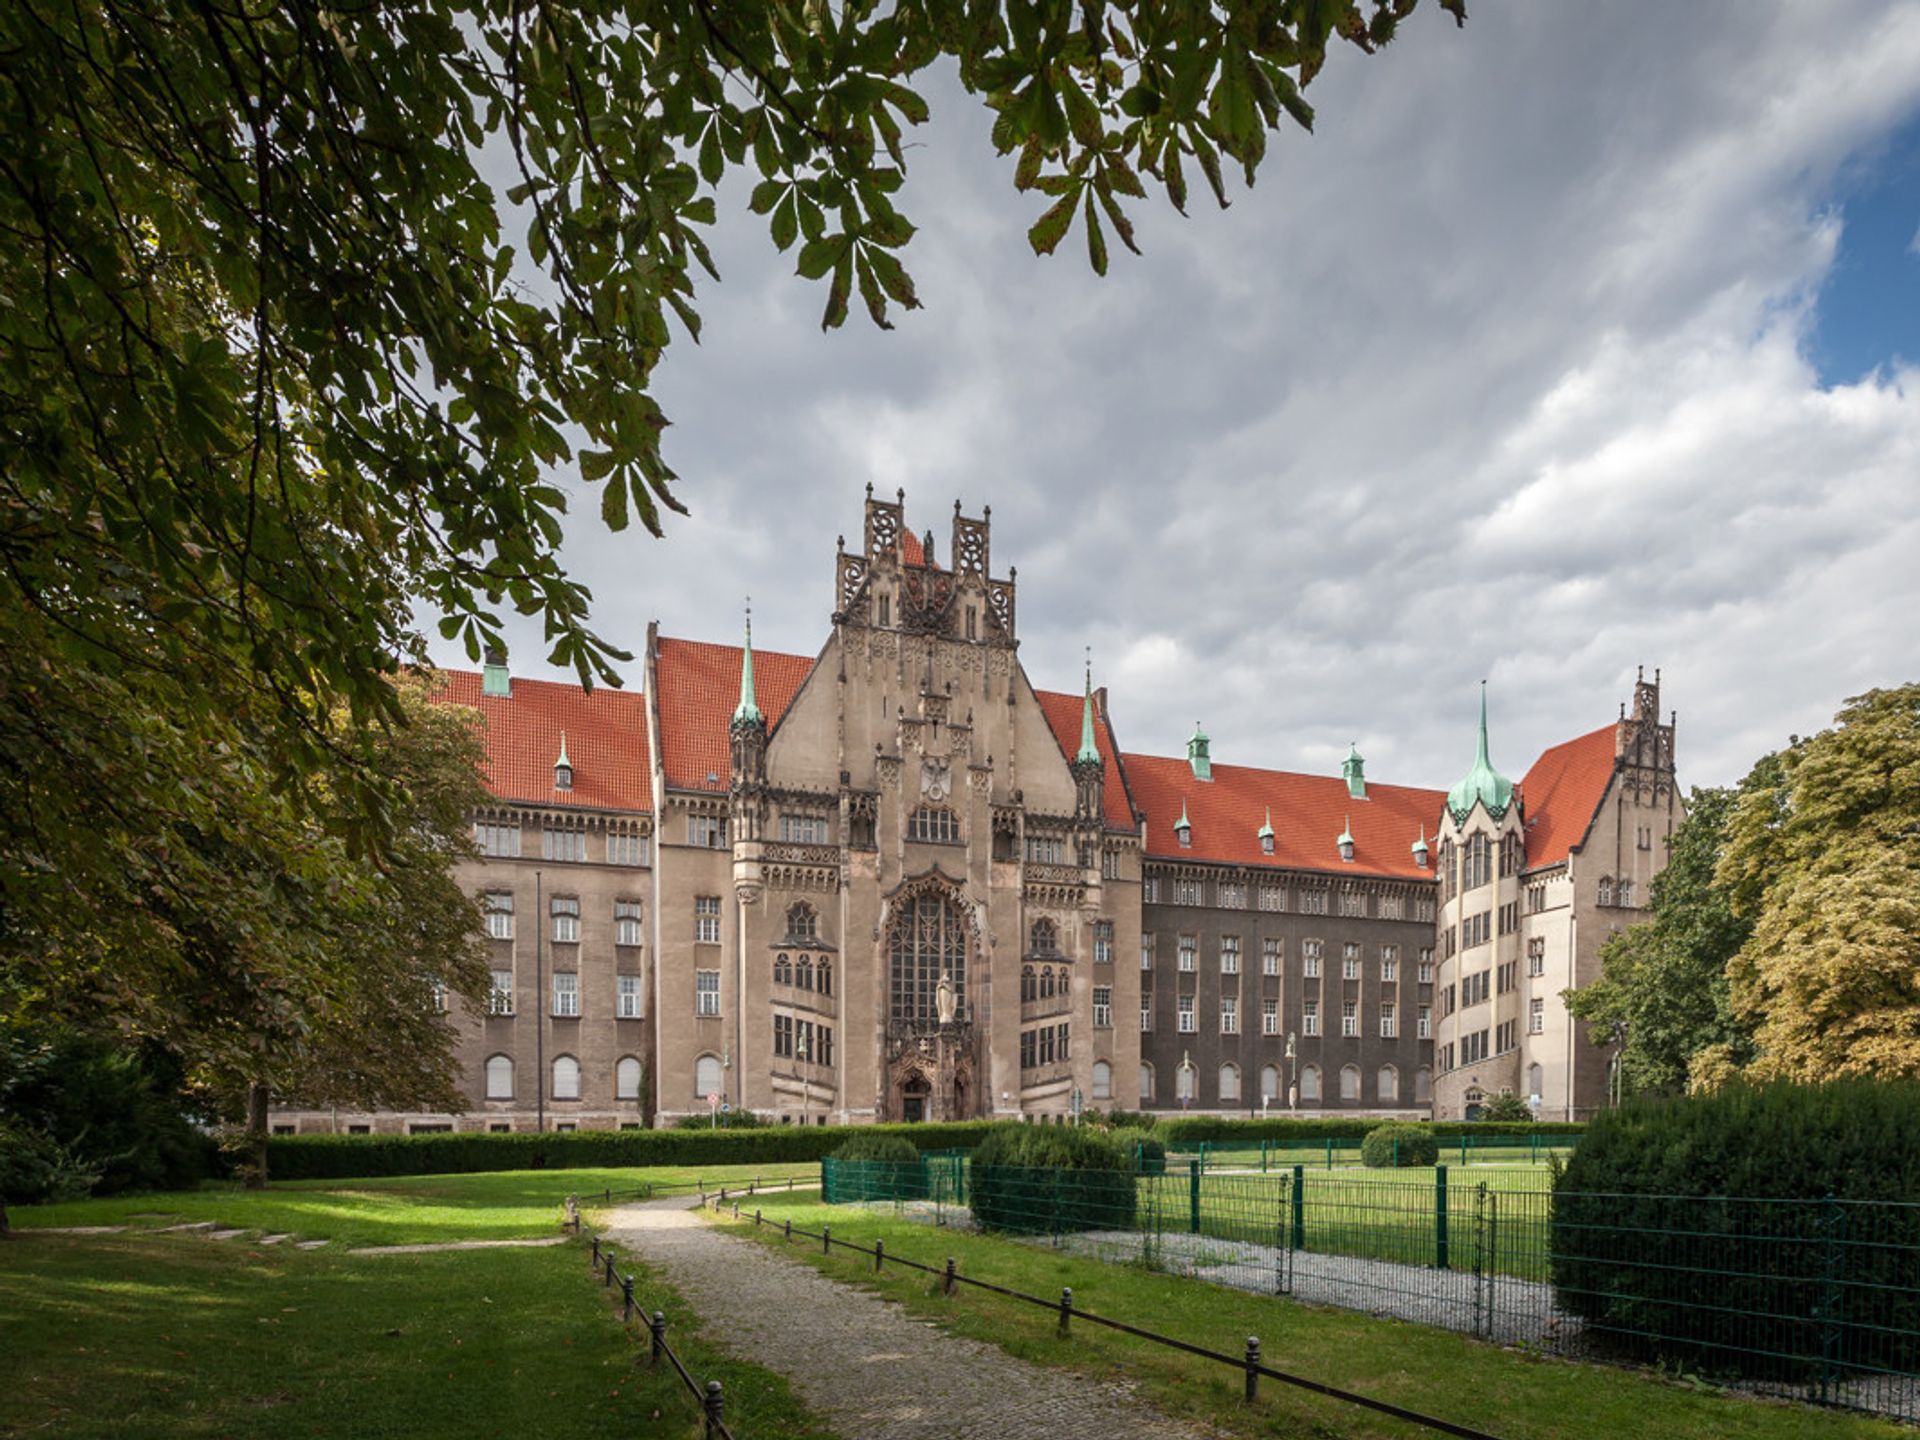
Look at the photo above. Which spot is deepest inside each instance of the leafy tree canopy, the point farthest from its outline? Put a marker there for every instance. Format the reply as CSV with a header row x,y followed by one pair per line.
x,y
1825,866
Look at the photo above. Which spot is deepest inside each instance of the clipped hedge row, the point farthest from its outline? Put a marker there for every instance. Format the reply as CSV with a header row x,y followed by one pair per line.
x,y
344,1157
1399,1145
1766,1231
1217,1130
1046,1180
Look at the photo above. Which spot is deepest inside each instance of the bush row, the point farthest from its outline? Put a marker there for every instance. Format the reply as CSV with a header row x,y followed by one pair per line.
x,y
1048,1179
1751,1196
342,1157
1217,1130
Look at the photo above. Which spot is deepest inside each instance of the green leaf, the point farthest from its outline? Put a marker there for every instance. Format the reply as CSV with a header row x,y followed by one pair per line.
x,y
1096,241
838,292
1051,228
613,504
786,225
819,256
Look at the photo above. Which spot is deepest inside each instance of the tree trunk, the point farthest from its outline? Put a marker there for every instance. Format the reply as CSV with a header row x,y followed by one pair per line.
x,y
255,1168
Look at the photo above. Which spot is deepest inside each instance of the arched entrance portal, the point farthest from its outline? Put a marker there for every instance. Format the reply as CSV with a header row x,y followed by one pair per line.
x,y
929,946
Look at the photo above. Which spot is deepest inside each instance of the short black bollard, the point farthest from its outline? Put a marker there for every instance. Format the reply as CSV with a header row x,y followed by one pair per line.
x,y
826,1239
606,1195
756,1218
789,1230
736,1209
949,1279
609,1280
1253,1368
626,1297
1066,1307
879,1253
657,1337
595,1262
714,1405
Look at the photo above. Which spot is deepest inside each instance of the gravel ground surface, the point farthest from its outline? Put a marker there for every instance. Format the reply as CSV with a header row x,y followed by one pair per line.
x,y
873,1370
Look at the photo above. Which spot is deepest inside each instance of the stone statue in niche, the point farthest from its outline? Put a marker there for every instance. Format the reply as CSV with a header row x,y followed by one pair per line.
x,y
943,998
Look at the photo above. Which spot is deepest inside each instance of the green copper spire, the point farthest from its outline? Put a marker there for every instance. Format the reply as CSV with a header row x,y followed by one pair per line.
x,y
747,711
1482,784
1089,752
1266,831
1353,771
1197,755
1183,823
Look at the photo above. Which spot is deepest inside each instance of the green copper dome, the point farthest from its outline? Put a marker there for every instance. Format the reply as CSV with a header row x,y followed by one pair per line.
x,y
1482,783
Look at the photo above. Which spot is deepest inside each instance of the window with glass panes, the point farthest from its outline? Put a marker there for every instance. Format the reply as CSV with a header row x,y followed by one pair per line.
x,y
706,920
1103,1007
1146,1010
1310,1016
1310,959
626,922
1389,1020
499,839
1426,965
1103,942
499,906
706,992
1270,956
626,999
1146,951
626,847
1349,1017
1229,1015
803,829
1269,1017
566,919
1390,963
566,993
1350,962
1189,953
1424,1019
707,831
1229,954
566,845
500,995
1188,1022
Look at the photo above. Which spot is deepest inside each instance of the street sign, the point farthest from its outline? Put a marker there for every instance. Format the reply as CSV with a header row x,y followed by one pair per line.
x,y
713,1097
726,1109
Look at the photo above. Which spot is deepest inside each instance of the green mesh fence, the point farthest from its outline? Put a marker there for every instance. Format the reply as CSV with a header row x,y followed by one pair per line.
x,y
1816,1299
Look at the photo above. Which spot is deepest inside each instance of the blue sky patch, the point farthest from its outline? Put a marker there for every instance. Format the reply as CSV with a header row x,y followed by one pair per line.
x,y
1868,313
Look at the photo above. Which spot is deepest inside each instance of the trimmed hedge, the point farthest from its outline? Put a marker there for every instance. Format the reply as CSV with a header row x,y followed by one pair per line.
x,y
344,1157
1388,1146
1716,1229
1181,1133
873,1166
1046,1179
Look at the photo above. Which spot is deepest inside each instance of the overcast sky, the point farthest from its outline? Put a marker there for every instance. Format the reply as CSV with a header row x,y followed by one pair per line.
x,y
1581,338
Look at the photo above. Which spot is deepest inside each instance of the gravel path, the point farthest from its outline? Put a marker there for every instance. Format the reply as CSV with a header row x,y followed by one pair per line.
x,y
874,1371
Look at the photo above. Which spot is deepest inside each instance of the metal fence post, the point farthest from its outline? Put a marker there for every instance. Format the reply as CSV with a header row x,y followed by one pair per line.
x,y
1826,1311
826,1239
656,1337
1329,1152
1440,1217
626,1297
1066,1307
609,1280
1263,1157
949,1279
879,1254
1299,1207
714,1405
595,1262
756,1217
1193,1195
1253,1368
789,1230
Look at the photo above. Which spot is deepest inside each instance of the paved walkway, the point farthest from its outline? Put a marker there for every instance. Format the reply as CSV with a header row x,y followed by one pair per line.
x,y
871,1369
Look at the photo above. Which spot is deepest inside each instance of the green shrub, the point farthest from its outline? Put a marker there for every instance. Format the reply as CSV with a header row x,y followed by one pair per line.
x,y
1149,1154
35,1168
343,1157
1399,1144
882,1145
873,1167
1506,1110
1047,1179
734,1119
1751,1230
1119,1119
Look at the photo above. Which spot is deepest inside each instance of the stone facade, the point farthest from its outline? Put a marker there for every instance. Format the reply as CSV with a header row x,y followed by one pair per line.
x,y
895,880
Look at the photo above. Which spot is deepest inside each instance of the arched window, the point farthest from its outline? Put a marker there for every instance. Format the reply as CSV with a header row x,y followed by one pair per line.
x,y
802,923
1102,1080
1029,983
803,973
1184,1079
1479,862
1229,1084
1046,982
566,1078
928,938
1270,1082
626,1079
823,978
708,1077
1146,1081
1423,1086
1389,1085
1536,1082
1043,939
499,1077
1606,889
782,970
1349,1082
1310,1083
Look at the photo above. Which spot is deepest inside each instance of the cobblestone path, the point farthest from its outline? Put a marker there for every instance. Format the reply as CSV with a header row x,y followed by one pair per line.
x,y
871,1369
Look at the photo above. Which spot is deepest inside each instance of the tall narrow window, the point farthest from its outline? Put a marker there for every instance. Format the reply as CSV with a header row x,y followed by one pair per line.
x,y
499,1078
627,997
1103,942
566,1078
626,922
1103,1007
1043,939
928,939
1102,1080
499,908
1188,1021
500,996
706,992
1270,956
706,919
1229,954
626,1078
1229,1015
566,994
566,919
1189,954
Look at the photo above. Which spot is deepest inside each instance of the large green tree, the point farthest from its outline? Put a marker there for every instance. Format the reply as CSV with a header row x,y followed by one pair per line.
x,y
1663,992
1825,867
282,372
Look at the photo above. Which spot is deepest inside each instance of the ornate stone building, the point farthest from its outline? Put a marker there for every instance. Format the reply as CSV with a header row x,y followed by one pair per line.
x,y
895,881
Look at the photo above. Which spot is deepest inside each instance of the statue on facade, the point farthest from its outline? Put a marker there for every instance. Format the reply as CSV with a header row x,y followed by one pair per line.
x,y
943,999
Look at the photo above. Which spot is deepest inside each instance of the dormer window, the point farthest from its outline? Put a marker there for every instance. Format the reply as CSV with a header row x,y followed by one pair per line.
x,y
563,767
1266,844
1183,828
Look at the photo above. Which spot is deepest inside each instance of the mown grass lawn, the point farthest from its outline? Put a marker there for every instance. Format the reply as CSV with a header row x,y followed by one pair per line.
x,y
402,1210
136,1334
1515,1395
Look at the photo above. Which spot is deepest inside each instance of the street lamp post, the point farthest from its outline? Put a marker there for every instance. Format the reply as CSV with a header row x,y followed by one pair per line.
x,y
1293,1079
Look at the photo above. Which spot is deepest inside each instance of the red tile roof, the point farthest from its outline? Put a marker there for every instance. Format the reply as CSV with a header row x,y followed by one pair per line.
x,y
606,734
698,686
1309,812
1562,792
1063,718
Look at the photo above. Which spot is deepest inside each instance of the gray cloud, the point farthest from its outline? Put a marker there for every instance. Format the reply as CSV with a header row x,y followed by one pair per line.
x,y
1497,374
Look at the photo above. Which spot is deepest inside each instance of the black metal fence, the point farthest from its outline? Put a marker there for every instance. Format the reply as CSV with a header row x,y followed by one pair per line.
x,y
711,1396
1250,1365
